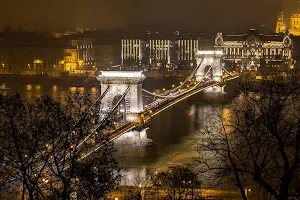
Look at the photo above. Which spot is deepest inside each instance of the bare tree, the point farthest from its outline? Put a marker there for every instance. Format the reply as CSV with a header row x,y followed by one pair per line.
x,y
178,182
255,141
52,148
21,141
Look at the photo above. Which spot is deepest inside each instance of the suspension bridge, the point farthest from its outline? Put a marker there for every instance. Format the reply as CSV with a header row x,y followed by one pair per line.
x,y
121,99
121,94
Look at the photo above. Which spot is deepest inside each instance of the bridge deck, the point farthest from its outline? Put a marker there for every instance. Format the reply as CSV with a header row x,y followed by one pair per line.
x,y
159,106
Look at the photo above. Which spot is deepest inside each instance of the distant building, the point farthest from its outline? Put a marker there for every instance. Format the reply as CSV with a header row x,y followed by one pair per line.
x,y
131,51
106,55
294,28
35,54
254,51
32,60
187,48
156,53
280,23
79,58
66,33
294,23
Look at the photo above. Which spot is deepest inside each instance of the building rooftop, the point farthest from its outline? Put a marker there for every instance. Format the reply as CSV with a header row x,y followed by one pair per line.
x,y
253,32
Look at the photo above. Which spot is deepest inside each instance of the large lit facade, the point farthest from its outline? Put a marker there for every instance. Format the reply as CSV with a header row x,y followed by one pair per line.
x,y
294,23
156,53
187,48
80,57
159,51
131,51
255,51
46,60
294,28
47,56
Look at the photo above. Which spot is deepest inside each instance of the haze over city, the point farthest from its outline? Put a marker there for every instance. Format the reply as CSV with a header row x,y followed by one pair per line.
x,y
108,14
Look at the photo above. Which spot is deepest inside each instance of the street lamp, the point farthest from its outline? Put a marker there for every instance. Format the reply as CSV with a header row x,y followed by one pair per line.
x,y
246,191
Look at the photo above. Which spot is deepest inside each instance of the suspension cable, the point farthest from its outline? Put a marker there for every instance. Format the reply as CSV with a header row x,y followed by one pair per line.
x,y
107,116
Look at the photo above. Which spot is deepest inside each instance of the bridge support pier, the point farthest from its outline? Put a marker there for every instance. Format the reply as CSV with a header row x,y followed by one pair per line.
x,y
135,144
216,89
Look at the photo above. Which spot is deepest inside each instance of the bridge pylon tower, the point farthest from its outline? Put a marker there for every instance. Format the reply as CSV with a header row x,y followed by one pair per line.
x,y
209,60
119,83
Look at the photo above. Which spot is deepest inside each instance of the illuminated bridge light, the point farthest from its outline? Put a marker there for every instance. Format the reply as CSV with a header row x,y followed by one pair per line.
x,y
122,74
210,52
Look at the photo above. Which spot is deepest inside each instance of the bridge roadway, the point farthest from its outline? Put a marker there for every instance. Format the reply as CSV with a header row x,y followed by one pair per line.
x,y
159,106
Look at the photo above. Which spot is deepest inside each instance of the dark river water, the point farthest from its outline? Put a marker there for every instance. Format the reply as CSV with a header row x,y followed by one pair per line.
x,y
174,131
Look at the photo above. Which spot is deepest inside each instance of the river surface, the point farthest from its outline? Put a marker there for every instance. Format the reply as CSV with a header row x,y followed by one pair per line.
x,y
174,131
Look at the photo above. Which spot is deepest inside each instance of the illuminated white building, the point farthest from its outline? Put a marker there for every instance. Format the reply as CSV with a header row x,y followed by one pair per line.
x,y
131,51
252,51
187,49
159,52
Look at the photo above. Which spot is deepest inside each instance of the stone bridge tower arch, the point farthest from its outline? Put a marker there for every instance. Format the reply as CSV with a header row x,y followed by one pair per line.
x,y
118,82
209,58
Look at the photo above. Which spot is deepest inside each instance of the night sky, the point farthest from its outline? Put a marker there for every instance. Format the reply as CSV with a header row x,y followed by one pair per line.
x,y
182,14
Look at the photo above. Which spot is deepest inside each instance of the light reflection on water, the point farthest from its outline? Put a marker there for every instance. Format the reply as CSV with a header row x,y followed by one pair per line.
x,y
59,93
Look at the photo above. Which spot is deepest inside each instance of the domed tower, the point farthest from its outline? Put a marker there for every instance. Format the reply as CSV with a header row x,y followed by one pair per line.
x,y
280,23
